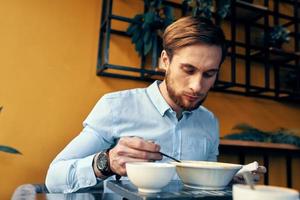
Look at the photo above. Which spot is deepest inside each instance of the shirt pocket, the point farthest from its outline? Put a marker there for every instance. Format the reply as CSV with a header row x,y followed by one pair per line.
x,y
195,149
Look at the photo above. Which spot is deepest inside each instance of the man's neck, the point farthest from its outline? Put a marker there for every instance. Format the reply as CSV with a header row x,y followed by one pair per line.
x,y
164,92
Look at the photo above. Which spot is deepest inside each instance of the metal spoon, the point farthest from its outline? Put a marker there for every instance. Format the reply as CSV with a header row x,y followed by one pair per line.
x,y
249,179
170,157
152,141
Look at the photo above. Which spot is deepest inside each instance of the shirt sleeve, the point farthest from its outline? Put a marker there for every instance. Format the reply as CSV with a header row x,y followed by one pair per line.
x,y
214,150
72,168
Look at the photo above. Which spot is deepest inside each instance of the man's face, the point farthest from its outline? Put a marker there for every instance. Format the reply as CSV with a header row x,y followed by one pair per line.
x,y
191,74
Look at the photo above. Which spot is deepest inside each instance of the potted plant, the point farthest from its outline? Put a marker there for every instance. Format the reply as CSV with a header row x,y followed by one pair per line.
x,y
278,35
205,8
249,133
8,149
147,26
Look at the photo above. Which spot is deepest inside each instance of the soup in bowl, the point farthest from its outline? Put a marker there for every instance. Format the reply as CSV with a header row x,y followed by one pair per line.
x,y
206,175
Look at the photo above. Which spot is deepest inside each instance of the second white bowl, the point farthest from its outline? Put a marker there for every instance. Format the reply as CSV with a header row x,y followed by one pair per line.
x,y
206,175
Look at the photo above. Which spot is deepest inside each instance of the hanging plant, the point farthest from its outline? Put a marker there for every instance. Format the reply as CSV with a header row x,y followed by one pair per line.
x,y
249,133
279,35
8,149
146,27
205,8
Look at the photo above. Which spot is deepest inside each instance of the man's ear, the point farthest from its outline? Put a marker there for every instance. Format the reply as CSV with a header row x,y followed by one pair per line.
x,y
164,60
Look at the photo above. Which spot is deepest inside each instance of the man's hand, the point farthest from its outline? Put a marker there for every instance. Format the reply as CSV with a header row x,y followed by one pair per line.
x,y
256,175
132,149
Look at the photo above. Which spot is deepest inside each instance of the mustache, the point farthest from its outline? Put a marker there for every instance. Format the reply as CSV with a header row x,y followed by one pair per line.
x,y
192,94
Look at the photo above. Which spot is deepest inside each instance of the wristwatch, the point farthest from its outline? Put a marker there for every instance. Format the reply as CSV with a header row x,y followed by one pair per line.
x,y
102,163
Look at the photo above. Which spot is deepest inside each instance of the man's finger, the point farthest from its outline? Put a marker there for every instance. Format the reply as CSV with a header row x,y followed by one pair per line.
x,y
135,153
139,143
261,169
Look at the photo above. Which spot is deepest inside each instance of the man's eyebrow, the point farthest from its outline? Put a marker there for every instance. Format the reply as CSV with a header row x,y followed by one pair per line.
x,y
188,65
192,66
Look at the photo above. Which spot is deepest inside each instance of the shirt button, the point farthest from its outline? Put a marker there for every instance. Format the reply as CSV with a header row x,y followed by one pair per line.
x,y
88,182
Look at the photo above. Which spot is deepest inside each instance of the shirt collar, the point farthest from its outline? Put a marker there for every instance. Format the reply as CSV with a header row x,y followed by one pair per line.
x,y
157,99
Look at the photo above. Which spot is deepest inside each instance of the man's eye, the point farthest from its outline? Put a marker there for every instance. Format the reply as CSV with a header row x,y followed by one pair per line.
x,y
209,74
188,70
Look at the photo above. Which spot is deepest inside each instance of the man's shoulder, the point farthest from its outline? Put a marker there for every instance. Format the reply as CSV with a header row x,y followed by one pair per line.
x,y
123,94
206,112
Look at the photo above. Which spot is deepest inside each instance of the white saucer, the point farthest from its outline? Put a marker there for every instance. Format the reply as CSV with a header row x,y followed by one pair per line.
x,y
200,187
144,190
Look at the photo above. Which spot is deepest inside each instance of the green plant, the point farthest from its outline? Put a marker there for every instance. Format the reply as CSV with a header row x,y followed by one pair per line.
x,y
249,133
278,35
8,149
205,8
146,27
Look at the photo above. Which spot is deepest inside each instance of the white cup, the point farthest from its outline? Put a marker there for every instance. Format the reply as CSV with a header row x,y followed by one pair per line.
x,y
263,192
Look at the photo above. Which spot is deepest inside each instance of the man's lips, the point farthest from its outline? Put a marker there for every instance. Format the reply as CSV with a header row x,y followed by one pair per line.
x,y
192,97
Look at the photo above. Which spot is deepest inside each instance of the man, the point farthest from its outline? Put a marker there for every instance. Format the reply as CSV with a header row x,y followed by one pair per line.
x,y
138,124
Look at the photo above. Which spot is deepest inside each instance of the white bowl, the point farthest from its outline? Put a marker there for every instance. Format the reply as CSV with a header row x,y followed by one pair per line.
x,y
206,175
150,177
263,192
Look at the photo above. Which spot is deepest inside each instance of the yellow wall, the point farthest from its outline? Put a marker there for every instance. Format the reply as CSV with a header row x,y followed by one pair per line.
x,y
48,84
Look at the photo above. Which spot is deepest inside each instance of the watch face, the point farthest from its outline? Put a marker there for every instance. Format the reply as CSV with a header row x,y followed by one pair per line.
x,y
102,162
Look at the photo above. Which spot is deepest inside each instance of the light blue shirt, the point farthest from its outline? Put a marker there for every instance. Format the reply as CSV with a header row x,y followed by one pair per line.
x,y
139,112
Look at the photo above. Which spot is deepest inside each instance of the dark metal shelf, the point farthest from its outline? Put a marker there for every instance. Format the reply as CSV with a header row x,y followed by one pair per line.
x,y
275,55
240,12
248,12
140,74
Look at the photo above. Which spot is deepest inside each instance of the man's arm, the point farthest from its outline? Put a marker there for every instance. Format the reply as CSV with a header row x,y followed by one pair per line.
x,y
75,167
72,169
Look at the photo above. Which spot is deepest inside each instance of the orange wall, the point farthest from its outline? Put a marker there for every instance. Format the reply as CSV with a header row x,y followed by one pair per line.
x,y
48,84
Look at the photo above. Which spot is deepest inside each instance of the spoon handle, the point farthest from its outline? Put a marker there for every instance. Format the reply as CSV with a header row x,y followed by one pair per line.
x,y
169,157
249,179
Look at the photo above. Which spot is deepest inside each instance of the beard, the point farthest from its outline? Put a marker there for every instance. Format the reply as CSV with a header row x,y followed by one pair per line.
x,y
177,98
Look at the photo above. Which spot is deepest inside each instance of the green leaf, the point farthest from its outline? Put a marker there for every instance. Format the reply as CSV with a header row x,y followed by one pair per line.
x,y
147,35
138,18
156,3
8,149
136,36
224,11
139,46
245,127
132,28
149,17
147,47
168,11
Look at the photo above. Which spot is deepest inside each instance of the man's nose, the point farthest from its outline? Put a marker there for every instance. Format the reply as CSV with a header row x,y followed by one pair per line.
x,y
196,84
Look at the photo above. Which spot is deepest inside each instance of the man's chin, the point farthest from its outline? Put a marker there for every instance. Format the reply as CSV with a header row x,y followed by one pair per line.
x,y
190,107
194,106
